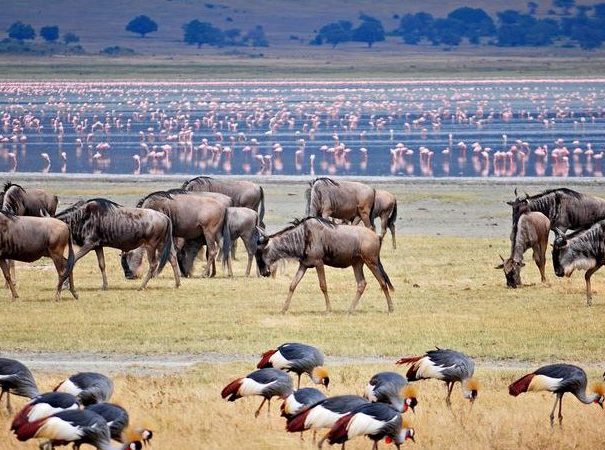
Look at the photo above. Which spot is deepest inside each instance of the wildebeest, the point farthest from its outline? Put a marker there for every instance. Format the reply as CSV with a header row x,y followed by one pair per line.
x,y
28,202
385,207
243,223
583,249
28,239
532,232
316,242
343,200
566,209
98,223
243,193
196,219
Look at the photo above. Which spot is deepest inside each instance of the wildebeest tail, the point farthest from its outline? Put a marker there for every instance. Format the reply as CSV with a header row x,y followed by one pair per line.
x,y
226,238
386,277
71,260
372,209
261,208
393,216
308,201
168,246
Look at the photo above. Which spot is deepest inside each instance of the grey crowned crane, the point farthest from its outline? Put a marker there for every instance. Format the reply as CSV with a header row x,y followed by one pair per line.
x,y
393,389
559,379
73,426
377,421
89,387
16,379
297,358
42,406
119,423
266,383
446,365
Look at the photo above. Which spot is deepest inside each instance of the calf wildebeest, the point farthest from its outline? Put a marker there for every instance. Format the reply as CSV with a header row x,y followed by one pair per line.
x,y
243,223
343,200
30,202
243,193
316,242
583,249
385,207
98,223
532,232
196,219
566,209
28,239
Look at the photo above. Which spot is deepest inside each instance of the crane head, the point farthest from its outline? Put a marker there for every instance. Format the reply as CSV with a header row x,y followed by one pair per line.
x,y
320,376
470,389
599,390
409,393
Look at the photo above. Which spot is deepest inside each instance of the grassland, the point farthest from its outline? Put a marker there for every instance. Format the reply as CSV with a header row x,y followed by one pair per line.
x,y
447,294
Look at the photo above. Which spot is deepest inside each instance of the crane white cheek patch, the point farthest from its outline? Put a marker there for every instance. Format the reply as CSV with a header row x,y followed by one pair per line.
x,y
55,428
362,424
320,417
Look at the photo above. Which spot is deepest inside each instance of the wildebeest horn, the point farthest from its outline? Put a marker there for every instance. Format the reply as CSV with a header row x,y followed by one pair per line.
x,y
516,195
501,257
558,233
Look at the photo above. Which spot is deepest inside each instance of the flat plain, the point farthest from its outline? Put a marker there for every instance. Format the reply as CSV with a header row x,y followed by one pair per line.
x,y
448,294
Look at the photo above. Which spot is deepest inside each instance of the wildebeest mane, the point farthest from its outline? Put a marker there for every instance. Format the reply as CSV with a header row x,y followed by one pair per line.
x,y
70,209
165,194
9,184
104,204
203,179
567,191
297,222
324,180
9,215
178,191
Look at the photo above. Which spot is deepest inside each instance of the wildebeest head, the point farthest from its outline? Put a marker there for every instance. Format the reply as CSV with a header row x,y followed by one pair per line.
x,y
264,266
132,263
559,253
512,271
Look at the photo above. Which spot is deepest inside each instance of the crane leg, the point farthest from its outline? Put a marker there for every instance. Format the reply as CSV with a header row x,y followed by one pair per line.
x,y
321,441
552,413
2,394
298,386
375,446
560,413
269,407
257,412
450,387
8,402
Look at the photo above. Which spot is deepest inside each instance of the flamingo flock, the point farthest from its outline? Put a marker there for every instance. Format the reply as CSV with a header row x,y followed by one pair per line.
x,y
486,129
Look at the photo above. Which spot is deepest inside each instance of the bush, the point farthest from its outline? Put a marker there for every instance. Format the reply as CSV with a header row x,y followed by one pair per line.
x,y
142,25
116,50
21,31
50,34
70,38
200,33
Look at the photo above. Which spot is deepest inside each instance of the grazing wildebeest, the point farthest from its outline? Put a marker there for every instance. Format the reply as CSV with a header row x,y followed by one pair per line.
x,y
243,193
316,242
98,223
28,239
197,219
343,200
243,223
566,209
583,249
30,202
532,232
385,207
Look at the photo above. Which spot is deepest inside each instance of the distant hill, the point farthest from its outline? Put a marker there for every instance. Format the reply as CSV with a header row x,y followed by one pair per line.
x,y
289,24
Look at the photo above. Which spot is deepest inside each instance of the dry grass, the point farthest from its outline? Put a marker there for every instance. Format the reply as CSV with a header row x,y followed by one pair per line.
x,y
186,411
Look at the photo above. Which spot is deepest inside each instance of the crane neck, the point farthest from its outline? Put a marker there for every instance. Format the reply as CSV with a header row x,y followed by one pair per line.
x,y
587,398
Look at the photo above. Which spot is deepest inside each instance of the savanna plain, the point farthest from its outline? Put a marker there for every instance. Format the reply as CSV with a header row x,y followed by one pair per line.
x,y
447,294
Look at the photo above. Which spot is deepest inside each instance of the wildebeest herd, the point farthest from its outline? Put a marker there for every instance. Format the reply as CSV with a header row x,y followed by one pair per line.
x,y
174,225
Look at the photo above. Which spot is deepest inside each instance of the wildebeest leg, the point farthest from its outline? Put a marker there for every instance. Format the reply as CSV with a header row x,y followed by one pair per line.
x,y
4,264
101,261
587,276
321,274
72,288
365,217
175,267
361,284
60,267
299,274
11,265
153,266
540,260
383,284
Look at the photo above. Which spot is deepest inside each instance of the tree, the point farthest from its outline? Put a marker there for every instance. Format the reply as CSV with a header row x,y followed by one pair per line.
x,y
532,8
414,27
232,35
370,30
257,37
336,32
50,34
565,5
21,31
473,22
142,25
70,38
447,32
200,33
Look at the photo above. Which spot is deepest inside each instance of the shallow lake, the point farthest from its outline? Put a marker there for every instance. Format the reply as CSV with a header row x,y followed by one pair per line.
x,y
425,129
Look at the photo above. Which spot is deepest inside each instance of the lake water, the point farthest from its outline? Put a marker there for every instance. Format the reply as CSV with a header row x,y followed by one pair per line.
x,y
485,129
